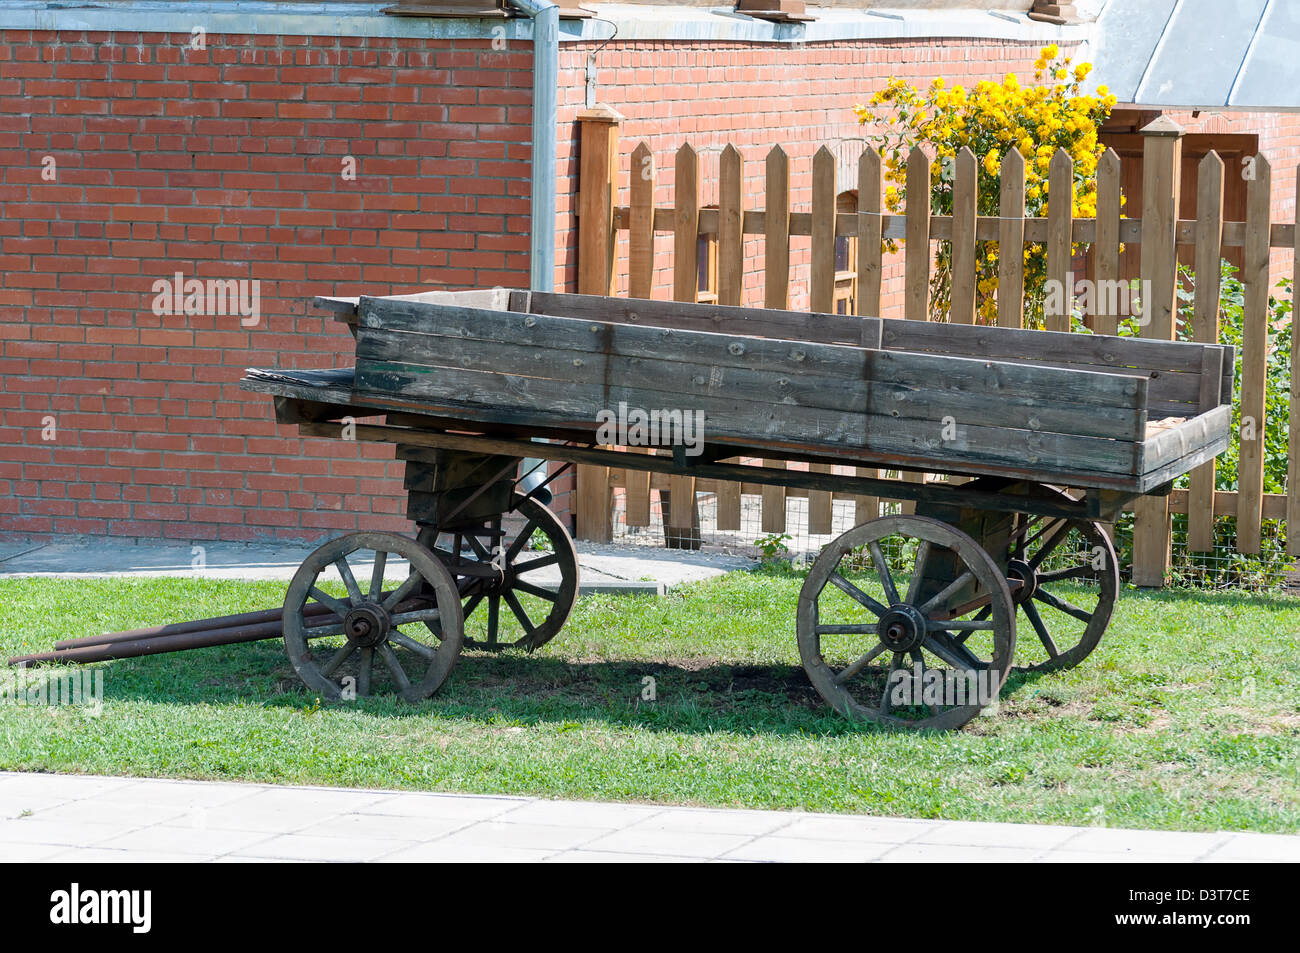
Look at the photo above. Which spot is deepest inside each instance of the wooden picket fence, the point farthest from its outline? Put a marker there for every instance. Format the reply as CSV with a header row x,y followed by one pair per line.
x,y
1158,231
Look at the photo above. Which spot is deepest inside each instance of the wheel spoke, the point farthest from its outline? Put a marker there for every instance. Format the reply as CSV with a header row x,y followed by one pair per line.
x,y
541,562
513,602
494,617
394,666
537,591
856,594
484,554
948,592
524,536
338,608
958,625
419,615
363,675
1075,572
918,572
338,658
857,628
1055,539
472,605
349,580
884,694
1036,620
1069,608
882,570
426,652
377,576
861,663
1018,537
944,646
405,590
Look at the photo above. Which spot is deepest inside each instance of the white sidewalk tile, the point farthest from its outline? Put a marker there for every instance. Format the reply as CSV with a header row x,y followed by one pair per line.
x,y
47,817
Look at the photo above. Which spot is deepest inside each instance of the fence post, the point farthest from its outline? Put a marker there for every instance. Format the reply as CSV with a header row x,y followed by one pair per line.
x,y
597,193
1161,168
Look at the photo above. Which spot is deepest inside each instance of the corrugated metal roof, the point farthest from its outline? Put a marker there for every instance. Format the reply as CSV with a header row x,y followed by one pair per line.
x,y
1200,53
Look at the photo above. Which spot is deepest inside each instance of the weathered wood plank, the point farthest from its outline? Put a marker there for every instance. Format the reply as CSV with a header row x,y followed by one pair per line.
x,y
1205,329
965,207
869,226
1255,276
772,516
641,233
1161,166
1106,248
776,229
1011,241
1060,218
731,209
821,291
1293,440
916,277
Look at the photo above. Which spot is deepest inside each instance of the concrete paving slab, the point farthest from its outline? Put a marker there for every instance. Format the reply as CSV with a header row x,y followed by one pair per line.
x,y
269,823
610,569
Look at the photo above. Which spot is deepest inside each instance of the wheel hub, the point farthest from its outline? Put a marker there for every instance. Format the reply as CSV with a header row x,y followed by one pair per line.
x,y
1020,571
901,628
367,625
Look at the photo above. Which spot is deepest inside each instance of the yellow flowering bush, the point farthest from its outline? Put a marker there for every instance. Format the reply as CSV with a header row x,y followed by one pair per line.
x,y
991,118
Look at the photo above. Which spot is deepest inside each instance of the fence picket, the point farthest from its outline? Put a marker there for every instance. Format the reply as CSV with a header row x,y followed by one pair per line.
x,y
776,294
868,299
1106,248
1293,444
916,300
1205,329
731,271
822,299
1254,370
686,272
1060,228
1011,242
965,251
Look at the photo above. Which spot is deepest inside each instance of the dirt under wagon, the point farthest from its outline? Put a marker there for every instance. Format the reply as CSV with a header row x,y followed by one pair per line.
x,y
1043,438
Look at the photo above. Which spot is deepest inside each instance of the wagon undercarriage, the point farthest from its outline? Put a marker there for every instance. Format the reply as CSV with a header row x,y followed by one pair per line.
x,y
907,620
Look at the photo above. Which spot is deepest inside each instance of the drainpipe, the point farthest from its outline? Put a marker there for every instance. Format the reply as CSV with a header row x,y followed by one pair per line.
x,y
541,211
546,70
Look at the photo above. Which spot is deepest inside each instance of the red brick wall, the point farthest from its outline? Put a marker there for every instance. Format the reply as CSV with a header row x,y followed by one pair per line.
x,y
225,163
753,96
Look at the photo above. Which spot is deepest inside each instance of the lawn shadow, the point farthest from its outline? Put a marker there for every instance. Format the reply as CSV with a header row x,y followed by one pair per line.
x,y
691,696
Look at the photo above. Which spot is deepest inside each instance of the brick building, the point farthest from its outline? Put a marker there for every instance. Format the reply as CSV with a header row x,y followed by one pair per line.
x,y
334,148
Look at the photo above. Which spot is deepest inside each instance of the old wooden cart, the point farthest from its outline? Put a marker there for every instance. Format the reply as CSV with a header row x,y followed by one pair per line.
x,y
1044,436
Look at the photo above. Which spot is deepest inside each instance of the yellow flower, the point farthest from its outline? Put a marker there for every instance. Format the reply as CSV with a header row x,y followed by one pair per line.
x,y
991,163
1050,52
1081,71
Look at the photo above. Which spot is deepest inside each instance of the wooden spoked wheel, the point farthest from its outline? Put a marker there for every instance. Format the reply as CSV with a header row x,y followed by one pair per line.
x,y
887,629
1069,576
522,584
404,640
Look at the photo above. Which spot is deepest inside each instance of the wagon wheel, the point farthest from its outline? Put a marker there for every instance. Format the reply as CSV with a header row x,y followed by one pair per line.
x,y
872,656
496,571
408,637
1046,556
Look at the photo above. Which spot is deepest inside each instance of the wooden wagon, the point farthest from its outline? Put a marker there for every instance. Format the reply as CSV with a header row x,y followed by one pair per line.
x,y
908,619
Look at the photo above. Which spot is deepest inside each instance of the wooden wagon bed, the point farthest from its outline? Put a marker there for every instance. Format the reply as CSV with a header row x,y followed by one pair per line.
x,y
1120,415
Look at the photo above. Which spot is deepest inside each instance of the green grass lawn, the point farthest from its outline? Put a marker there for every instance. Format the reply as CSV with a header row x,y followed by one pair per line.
x,y
1186,717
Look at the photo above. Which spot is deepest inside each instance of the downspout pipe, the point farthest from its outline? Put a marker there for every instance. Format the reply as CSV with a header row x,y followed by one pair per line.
x,y
546,75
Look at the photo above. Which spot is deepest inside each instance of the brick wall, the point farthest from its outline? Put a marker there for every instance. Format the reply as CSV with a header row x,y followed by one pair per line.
x,y
753,96
226,163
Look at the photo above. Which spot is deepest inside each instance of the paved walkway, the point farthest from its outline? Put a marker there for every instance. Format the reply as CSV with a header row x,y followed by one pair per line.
x,y
605,568
45,817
